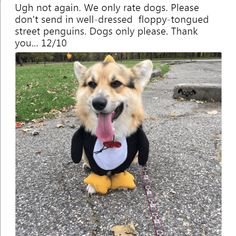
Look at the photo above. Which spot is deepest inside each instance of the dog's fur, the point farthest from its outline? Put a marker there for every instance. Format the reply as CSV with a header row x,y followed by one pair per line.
x,y
131,84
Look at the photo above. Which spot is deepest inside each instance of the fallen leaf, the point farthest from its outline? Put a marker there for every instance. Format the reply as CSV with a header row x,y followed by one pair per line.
x,y
29,85
54,110
40,120
60,126
213,112
181,99
199,102
19,124
64,109
40,124
173,114
151,117
124,230
26,130
50,92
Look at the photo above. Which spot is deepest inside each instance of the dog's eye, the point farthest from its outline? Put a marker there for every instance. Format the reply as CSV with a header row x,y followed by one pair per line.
x,y
92,84
116,84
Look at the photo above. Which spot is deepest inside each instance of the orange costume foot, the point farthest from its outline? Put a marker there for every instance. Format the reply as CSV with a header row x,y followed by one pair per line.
x,y
123,180
100,183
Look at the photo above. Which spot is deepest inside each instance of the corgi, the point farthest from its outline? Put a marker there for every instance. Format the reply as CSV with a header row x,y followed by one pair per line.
x,y
109,107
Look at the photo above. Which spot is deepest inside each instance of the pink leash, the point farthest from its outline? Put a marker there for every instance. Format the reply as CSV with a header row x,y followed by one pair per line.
x,y
152,205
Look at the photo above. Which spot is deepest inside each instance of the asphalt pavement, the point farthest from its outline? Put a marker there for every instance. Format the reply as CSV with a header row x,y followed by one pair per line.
x,y
184,169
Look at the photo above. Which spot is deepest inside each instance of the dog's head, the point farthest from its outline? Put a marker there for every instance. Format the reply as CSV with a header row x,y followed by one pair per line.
x,y
109,97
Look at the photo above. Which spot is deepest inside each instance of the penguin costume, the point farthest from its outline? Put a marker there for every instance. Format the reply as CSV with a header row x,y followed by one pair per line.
x,y
109,158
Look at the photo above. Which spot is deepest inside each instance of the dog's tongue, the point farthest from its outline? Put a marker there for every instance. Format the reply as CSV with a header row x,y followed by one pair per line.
x,y
105,131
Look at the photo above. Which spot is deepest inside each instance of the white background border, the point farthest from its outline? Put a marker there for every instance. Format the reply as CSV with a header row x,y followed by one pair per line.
x,y
221,38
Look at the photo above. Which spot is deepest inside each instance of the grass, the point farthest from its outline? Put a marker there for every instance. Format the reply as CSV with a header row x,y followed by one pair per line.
x,y
164,69
41,89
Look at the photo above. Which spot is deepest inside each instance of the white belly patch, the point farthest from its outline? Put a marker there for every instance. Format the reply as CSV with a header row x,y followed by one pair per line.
x,y
110,158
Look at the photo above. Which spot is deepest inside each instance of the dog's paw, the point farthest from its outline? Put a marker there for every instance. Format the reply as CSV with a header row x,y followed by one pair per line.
x,y
90,189
86,168
135,161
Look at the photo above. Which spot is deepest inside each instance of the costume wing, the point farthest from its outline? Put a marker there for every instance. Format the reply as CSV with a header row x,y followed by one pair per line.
x,y
143,147
77,145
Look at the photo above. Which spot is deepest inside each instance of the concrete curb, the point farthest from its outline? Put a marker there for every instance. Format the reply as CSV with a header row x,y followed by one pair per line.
x,y
185,61
204,92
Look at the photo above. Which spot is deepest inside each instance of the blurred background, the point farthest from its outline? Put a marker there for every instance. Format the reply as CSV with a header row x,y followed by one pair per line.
x,y
22,58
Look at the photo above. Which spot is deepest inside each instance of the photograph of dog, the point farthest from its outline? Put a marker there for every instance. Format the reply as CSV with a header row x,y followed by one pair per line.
x,y
129,140
109,107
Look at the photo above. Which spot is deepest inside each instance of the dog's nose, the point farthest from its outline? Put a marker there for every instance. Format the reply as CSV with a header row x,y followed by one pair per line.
x,y
99,103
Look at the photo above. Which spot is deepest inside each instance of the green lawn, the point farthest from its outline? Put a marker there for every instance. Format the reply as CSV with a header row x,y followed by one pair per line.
x,y
43,88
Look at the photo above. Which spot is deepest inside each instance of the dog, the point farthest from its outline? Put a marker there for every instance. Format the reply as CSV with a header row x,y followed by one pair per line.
x,y
109,107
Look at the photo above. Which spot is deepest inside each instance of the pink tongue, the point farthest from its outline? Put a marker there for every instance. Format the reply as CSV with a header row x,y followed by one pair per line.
x,y
104,130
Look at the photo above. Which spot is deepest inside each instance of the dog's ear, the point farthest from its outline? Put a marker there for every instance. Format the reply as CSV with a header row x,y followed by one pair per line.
x,y
143,72
79,70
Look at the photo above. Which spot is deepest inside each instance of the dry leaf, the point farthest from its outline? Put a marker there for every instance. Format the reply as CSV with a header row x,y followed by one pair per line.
x,y
54,111
26,130
60,126
51,92
214,112
124,230
64,109
181,99
40,120
19,124
173,114
151,117
199,102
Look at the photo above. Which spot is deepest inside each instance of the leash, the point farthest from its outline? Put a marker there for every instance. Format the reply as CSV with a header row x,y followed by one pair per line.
x,y
152,205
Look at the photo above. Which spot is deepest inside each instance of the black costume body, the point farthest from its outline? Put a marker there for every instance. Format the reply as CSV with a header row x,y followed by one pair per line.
x,y
116,159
